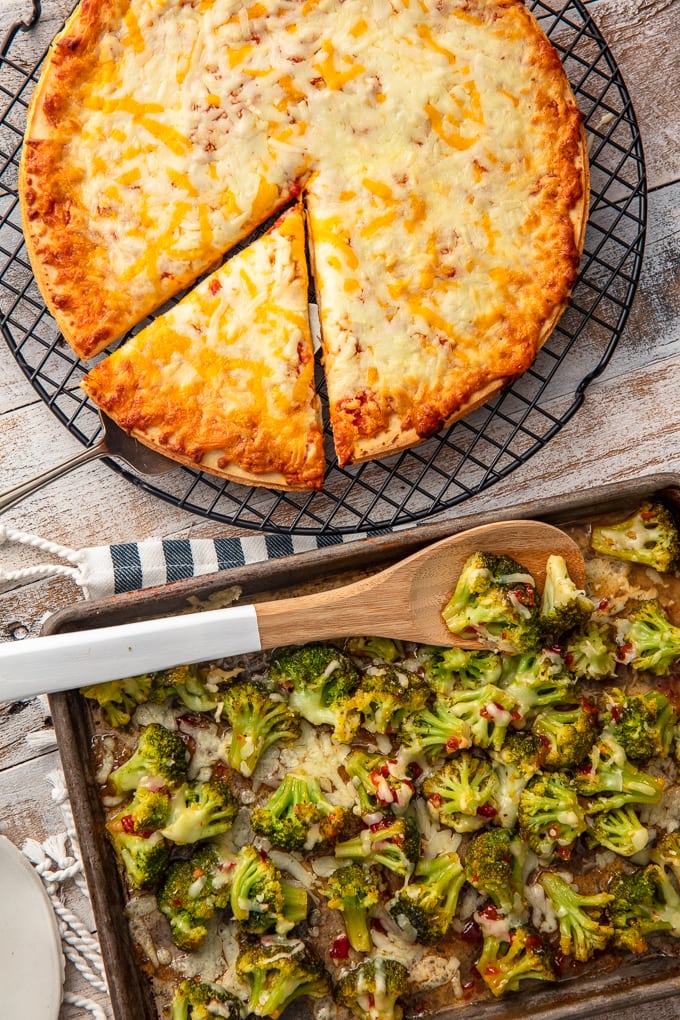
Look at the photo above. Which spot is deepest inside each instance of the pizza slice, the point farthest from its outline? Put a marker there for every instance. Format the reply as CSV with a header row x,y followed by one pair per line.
x,y
224,381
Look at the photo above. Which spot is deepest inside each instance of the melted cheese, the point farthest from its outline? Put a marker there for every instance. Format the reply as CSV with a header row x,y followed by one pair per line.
x,y
444,194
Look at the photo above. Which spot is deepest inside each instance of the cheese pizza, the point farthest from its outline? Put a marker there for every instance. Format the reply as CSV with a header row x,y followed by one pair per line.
x,y
437,147
224,381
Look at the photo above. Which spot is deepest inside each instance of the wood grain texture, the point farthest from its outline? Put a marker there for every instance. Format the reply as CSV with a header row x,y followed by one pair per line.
x,y
628,426
643,35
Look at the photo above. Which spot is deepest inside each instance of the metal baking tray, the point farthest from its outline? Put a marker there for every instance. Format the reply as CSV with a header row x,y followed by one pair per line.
x,y
636,981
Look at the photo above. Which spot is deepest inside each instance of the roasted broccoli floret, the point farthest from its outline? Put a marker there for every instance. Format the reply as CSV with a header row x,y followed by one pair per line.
x,y
487,712
119,698
192,892
260,899
427,902
380,782
143,854
590,652
438,731
495,601
563,605
279,970
160,754
568,734
643,724
462,792
355,891
536,680
393,842
149,809
200,810
667,852
646,638
619,830
317,678
447,669
550,816
503,965
494,862
257,721
520,758
188,685
373,989
643,903
297,816
649,536
383,699
202,1000
582,929
609,780
381,648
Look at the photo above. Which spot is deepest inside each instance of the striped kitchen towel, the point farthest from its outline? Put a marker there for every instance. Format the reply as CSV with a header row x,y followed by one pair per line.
x,y
112,569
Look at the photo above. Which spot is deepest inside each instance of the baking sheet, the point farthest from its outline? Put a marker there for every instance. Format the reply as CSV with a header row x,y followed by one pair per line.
x,y
638,980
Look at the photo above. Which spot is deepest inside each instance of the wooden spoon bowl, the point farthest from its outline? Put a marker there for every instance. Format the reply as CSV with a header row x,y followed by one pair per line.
x,y
406,600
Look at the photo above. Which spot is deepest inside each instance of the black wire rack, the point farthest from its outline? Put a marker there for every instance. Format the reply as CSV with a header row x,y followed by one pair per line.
x,y
454,465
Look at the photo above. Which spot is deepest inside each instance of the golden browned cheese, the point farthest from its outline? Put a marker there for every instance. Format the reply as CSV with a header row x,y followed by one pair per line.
x,y
224,381
437,145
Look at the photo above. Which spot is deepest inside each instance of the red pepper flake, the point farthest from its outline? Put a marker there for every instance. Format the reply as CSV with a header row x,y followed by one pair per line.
x,y
414,770
384,823
489,912
487,811
616,712
340,948
128,824
534,942
472,933
469,989
560,960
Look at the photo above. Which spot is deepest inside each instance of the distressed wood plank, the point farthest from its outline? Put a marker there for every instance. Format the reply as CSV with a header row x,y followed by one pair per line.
x,y
644,37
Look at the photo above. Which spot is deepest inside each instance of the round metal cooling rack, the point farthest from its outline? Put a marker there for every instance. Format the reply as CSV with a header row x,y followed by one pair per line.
x,y
454,465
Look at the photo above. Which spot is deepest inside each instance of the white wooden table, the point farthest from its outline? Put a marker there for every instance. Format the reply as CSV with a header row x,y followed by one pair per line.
x,y
629,425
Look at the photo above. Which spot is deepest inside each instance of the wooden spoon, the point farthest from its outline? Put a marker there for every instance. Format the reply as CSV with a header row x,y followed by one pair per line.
x,y
404,601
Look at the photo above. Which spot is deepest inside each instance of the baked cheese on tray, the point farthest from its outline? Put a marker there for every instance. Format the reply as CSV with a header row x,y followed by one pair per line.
x,y
437,148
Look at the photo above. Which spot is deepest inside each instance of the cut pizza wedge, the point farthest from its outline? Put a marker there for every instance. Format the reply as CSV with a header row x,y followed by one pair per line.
x,y
224,381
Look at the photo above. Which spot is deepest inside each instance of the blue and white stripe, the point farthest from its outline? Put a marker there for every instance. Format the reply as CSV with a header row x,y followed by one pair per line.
x,y
114,569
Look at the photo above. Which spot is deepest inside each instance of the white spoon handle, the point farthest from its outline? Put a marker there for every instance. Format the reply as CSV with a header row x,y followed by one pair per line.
x,y
62,662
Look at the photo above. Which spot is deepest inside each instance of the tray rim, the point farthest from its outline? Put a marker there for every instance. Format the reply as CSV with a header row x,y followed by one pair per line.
x,y
130,991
